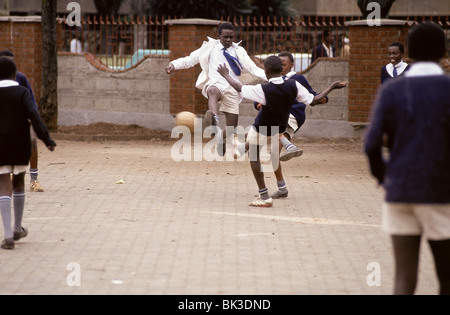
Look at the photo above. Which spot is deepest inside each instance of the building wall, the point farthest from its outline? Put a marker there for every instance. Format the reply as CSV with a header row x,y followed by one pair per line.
x,y
88,94
350,7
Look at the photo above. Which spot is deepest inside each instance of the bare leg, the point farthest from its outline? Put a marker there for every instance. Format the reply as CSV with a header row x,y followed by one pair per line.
x,y
255,164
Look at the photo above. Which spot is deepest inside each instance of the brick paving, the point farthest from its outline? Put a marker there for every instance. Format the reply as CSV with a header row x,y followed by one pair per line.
x,y
136,222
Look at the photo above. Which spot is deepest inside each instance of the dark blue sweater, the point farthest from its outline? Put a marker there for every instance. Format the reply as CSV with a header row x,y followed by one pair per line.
x,y
414,113
16,108
279,100
298,108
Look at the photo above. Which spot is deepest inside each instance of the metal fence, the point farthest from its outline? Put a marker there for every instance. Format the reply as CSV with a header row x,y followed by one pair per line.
x,y
120,42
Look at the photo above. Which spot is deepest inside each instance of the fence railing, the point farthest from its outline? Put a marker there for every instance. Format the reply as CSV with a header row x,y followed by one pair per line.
x,y
120,42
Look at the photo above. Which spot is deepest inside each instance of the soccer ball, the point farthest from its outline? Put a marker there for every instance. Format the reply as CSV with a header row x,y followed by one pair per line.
x,y
186,119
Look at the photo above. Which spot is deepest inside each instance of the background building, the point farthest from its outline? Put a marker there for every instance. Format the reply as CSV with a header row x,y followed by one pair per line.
x,y
400,8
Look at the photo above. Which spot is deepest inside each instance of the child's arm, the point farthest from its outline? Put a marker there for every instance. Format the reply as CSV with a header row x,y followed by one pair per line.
x,y
223,70
335,85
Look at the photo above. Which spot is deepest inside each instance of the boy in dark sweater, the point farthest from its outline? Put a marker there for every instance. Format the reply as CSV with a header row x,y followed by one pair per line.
x,y
413,113
35,185
277,98
16,109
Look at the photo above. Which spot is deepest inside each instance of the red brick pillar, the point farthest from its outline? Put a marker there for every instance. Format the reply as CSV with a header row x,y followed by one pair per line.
x,y
185,36
23,36
368,54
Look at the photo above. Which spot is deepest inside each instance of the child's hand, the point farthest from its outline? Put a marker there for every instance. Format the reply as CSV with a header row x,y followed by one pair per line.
x,y
339,84
223,70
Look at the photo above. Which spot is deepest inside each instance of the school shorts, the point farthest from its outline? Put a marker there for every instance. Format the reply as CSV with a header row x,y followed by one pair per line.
x,y
430,220
292,127
229,101
13,169
256,138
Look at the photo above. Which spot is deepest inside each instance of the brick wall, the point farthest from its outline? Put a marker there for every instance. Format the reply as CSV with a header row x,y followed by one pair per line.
x,y
185,36
23,36
368,54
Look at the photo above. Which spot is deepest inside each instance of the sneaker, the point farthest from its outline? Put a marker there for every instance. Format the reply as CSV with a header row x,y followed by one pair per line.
x,y
278,195
36,186
291,153
7,243
261,202
21,234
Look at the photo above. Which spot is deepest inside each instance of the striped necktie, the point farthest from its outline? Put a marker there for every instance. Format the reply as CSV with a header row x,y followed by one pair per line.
x,y
233,62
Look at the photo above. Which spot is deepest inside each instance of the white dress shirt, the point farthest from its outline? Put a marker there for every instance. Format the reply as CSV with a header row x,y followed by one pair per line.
x,y
255,92
401,66
217,58
424,69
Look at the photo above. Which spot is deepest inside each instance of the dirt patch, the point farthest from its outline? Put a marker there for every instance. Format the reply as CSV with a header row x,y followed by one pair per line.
x,y
105,131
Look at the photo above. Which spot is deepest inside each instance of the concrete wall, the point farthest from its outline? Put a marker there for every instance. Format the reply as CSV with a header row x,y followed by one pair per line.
x,y
88,94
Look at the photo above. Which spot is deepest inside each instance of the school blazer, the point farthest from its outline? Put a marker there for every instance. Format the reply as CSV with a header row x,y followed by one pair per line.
x,y
201,56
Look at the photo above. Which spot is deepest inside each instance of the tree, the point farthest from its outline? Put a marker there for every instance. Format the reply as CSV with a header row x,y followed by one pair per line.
x,y
48,103
271,8
108,7
385,6
208,9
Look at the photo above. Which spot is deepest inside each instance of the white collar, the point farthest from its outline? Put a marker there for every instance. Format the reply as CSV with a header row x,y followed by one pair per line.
x,y
290,74
421,69
276,80
8,83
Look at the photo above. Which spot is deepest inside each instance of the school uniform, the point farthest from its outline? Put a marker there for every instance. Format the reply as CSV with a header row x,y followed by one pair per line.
x,y
16,108
414,113
297,114
323,51
277,98
387,72
210,55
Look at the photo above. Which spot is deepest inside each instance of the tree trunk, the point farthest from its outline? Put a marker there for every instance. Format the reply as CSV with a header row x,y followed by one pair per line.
x,y
48,103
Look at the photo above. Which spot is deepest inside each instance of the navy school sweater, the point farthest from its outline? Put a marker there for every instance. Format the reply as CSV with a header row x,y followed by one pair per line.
x,y
279,100
16,108
414,112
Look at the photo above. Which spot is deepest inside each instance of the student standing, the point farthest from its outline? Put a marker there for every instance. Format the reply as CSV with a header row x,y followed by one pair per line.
x,y
396,66
413,112
325,49
35,185
16,110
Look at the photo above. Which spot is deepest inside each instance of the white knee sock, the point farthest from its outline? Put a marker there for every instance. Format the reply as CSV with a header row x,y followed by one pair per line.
x,y
5,209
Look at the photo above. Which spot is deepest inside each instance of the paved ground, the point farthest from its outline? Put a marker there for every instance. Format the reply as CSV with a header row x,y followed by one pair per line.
x,y
124,218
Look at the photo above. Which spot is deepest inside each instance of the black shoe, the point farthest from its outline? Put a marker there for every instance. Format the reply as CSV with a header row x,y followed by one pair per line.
x,y
21,234
7,243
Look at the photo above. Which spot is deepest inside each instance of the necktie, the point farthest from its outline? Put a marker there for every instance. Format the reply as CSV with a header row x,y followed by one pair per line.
x,y
233,62
395,72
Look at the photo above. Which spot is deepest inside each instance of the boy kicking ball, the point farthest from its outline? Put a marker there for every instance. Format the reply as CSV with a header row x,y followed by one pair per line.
x,y
276,98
